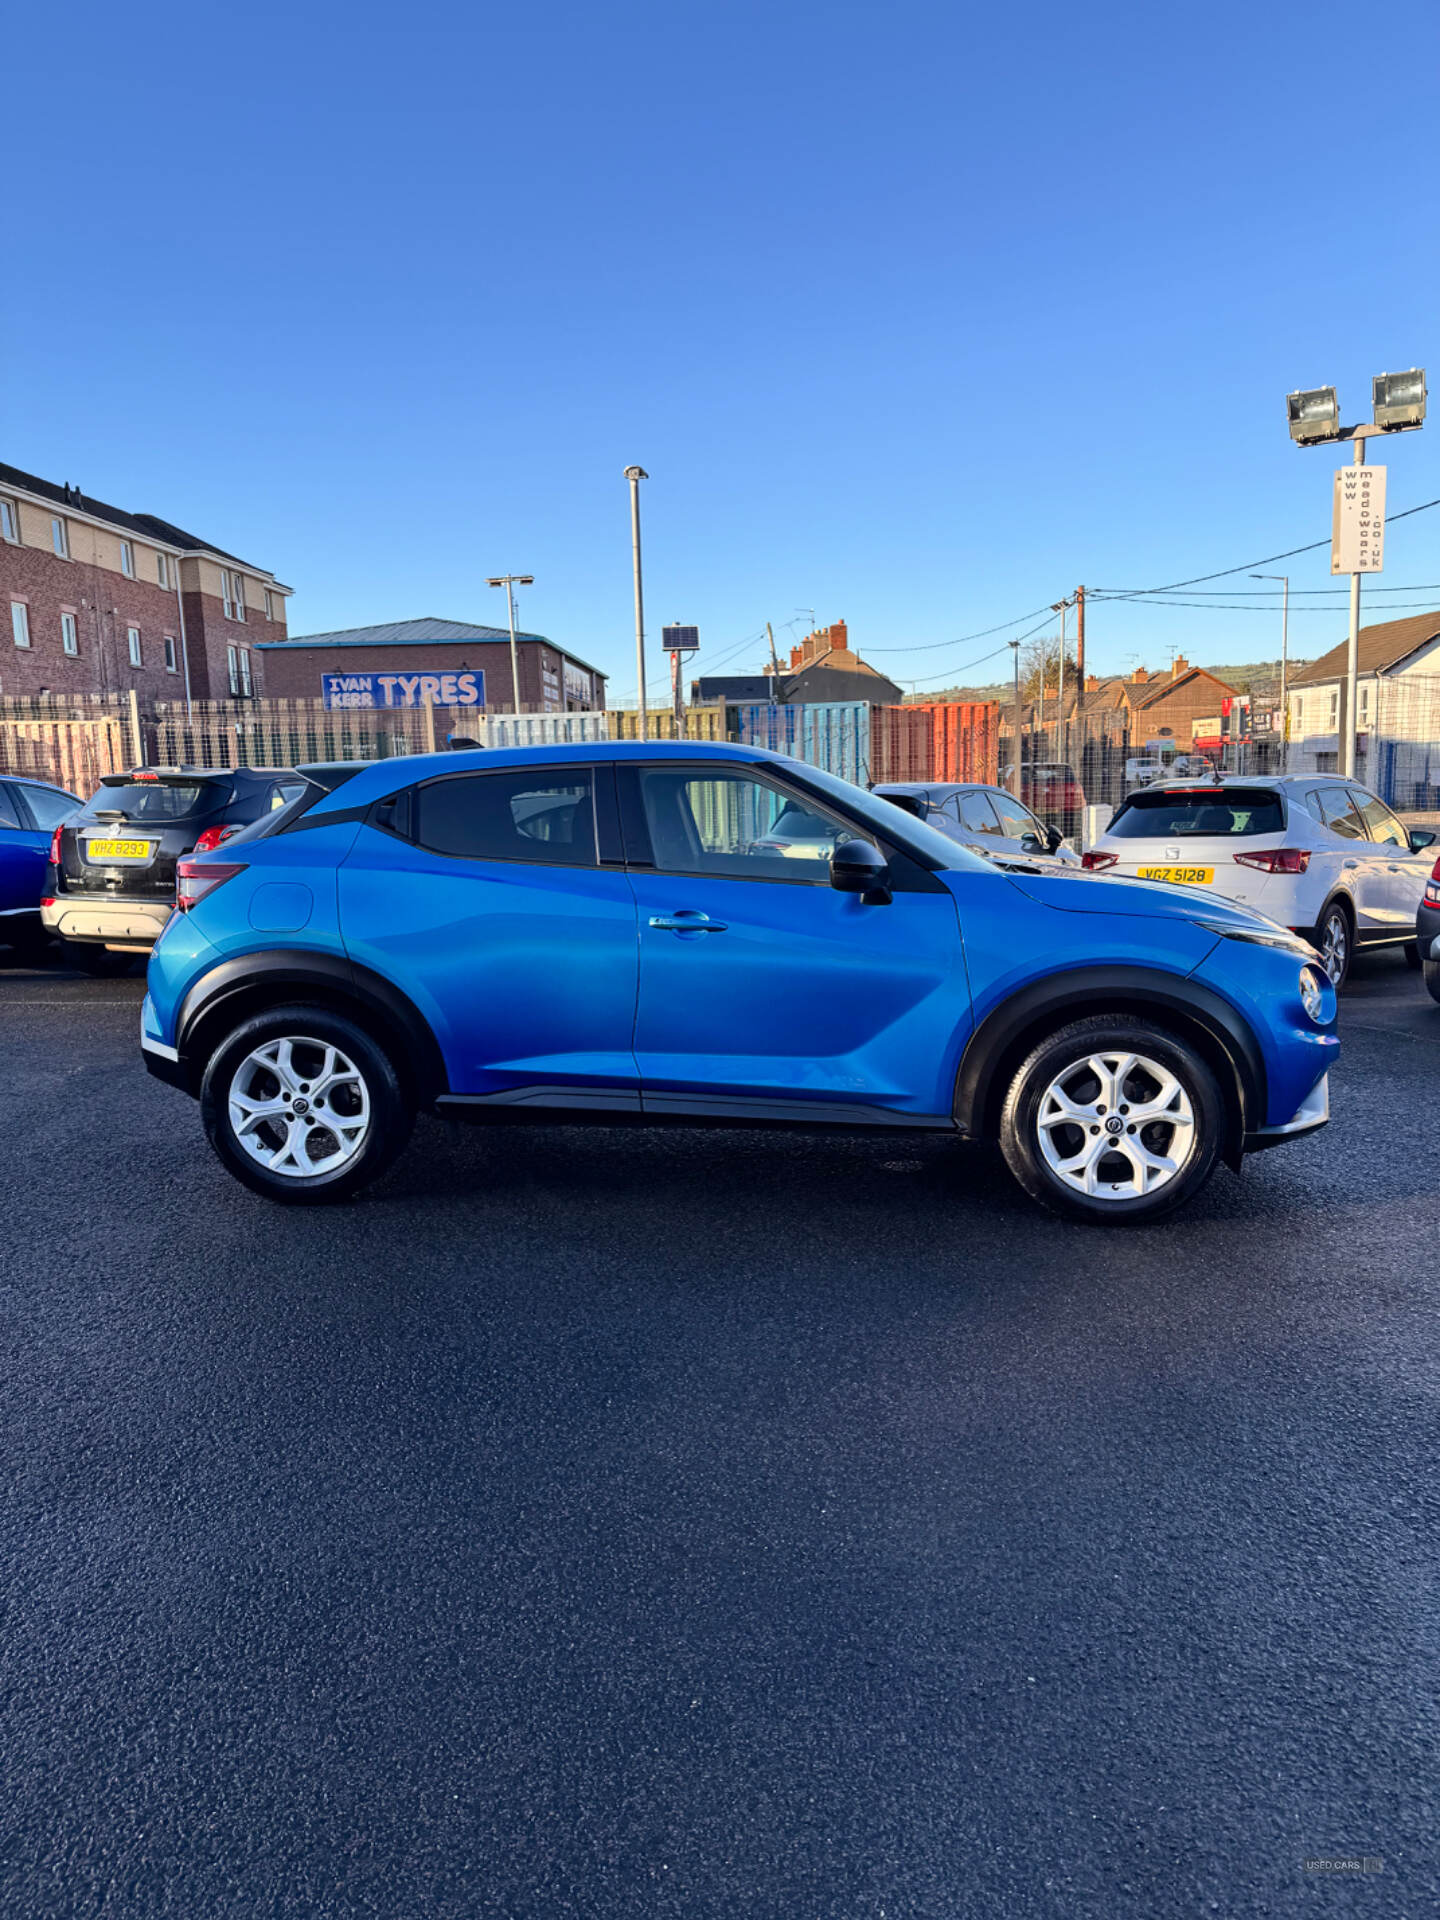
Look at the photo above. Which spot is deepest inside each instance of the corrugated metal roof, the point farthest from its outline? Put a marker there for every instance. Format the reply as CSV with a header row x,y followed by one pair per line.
x,y
404,633
419,633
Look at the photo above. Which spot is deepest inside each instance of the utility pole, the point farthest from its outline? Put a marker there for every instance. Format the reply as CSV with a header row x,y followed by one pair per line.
x,y
635,475
1062,610
1015,650
774,666
1284,580
509,581
1350,693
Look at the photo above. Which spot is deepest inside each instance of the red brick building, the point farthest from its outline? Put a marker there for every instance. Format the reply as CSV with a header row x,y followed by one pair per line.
x,y
97,600
551,680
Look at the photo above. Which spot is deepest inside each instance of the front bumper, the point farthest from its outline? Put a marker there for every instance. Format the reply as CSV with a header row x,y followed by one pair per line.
x,y
1313,1113
108,922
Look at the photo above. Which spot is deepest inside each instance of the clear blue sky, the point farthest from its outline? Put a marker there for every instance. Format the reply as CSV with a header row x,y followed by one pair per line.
x,y
916,314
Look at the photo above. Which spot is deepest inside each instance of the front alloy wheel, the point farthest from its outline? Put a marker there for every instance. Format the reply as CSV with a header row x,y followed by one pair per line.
x,y
303,1105
1112,1119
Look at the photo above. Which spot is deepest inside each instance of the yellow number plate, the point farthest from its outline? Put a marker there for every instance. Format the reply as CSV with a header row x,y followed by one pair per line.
x,y
117,849
1182,876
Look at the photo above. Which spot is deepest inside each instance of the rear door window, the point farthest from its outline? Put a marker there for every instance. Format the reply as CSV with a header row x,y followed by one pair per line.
x,y
1340,814
1202,814
525,815
9,811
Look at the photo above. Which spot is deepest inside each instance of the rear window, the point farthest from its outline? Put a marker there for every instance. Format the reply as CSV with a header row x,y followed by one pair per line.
x,y
158,801
1208,814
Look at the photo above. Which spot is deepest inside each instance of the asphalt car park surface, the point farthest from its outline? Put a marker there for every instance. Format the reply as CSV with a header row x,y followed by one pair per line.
x,y
601,1522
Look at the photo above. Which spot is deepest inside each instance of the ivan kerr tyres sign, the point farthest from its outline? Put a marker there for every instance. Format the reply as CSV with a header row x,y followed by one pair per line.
x,y
464,689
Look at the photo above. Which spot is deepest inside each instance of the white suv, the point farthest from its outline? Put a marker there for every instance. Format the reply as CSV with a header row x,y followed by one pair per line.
x,y
1314,851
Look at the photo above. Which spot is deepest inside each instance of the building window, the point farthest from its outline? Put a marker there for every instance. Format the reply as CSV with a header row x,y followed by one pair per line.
x,y
9,523
162,568
269,604
1365,706
245,687
60,537
69,635
20,622
232,663
127,559
1334,711
232,592
172,665
132,634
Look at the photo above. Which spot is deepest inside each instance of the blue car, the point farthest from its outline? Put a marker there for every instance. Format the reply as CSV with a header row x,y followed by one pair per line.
x,y
30,811
643,932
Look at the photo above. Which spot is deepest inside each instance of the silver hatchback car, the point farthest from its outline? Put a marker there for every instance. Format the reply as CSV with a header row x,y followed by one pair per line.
x,y
986,819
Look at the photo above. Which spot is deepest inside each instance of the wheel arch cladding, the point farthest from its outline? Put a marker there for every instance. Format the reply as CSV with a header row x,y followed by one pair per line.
x,y
1183,1007
238,989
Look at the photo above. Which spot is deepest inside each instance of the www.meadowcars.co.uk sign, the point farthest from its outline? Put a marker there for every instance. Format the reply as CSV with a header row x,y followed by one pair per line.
x,y
422,689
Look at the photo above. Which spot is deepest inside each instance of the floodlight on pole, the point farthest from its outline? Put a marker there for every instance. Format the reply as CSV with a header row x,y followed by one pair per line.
x,y
1314,415
1399,399
510,581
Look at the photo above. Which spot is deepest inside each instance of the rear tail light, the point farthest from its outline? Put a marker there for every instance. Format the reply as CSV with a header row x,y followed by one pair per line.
x,y
1097,862
1432,890
1277,860
195,878
55,852
212,838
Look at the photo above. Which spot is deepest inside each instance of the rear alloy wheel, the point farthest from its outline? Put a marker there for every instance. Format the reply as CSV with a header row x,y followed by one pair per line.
x,y
1335,939
304,1106
1431,971
1112,1120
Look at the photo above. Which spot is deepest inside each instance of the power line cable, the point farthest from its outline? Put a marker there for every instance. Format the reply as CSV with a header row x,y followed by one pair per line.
x,y
1200,578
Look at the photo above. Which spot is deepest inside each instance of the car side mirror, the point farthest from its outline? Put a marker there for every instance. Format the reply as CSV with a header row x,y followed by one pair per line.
x,y
1420,838
1054,839
858,867
907,802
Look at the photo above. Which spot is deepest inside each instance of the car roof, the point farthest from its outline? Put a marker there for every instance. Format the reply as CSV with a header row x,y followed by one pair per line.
x,y
378,777
33,780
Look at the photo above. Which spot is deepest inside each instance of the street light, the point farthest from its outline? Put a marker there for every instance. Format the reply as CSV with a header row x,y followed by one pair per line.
x,y
510,581
1284,578
1399,399
635,475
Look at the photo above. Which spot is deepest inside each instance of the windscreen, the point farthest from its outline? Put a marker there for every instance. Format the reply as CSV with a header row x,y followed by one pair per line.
x,y
1200,814
158,802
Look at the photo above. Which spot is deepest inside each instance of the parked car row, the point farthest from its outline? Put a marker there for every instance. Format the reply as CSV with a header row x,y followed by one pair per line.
x,y
100,874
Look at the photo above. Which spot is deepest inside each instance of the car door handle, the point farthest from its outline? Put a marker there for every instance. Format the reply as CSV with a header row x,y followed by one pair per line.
x,y
1352,863
687,920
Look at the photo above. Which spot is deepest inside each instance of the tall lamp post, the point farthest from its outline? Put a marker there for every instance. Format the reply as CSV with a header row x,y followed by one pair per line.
x,y
635,475
509,581
1284,580
1357,539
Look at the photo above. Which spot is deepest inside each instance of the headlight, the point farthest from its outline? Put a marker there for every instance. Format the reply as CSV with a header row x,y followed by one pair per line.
x,y
1262,937
1312,993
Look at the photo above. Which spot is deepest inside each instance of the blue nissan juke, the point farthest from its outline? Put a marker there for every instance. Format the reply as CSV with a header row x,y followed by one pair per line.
x,y
713,935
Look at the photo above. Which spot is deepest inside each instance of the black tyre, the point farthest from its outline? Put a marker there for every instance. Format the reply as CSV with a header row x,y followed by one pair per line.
x,y
1335,939
304,1106
101,963
1411,951
1431,972
1112,1121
